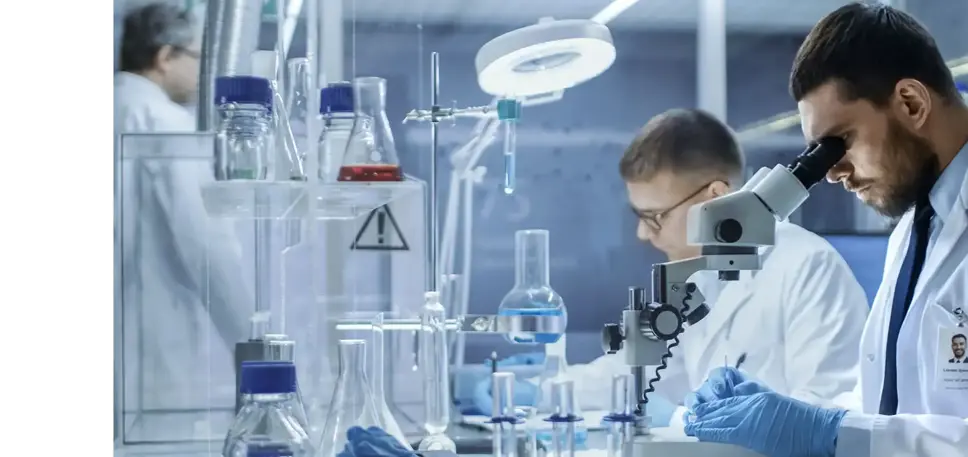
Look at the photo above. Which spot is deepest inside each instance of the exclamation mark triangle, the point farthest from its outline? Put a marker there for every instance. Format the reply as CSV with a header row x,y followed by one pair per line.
x,y
375,236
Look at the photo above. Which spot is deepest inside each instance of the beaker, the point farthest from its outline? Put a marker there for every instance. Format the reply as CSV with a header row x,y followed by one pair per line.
x,y
378,161
532,294
352,404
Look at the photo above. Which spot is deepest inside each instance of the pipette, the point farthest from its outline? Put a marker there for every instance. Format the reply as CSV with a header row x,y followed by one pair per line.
x,y
509,111
504,417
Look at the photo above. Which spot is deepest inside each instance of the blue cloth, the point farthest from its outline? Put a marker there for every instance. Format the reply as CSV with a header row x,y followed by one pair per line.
x,y
528,358
768,423
372,442
525,394
723,383
907,279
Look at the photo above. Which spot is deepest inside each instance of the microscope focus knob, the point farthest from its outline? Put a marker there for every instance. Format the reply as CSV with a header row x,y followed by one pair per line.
x,y
612,338
663,322
697,314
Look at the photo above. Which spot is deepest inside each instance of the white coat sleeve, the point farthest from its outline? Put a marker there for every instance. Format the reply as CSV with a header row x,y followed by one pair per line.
x,y
824,312
903,435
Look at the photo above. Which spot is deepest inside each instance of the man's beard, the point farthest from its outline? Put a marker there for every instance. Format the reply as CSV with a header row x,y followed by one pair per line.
x,y
911,170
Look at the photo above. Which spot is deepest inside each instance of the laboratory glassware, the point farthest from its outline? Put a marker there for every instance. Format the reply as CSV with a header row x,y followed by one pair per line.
x,y
621,418
509,111
565,418
297,102
433,362
337,136
268,419
378,383
532,294
555,370
352,404
244,139
378,161
504,417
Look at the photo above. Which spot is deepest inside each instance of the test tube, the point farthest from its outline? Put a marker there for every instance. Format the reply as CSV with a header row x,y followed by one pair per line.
x,y
508,111
503,416
564,418
621,419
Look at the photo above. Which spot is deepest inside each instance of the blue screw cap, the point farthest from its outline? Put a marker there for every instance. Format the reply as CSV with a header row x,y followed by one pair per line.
x,y
262,377
336,98
248,90
508,109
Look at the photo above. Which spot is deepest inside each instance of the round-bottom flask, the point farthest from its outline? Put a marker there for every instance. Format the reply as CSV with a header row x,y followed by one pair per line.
x,y
532,295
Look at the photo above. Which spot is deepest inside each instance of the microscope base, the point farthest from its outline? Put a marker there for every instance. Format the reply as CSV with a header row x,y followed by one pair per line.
x,y
661,443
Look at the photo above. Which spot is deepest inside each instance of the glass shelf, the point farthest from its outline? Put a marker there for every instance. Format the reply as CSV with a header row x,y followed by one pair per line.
x,y
299,200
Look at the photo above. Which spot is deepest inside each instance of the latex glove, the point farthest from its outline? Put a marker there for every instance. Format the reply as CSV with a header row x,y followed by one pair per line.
x,y
722,383
768,423
659,410
525,394
528,358
372,442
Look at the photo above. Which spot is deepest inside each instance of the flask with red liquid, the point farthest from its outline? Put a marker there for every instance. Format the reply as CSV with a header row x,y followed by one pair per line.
x,y
368,150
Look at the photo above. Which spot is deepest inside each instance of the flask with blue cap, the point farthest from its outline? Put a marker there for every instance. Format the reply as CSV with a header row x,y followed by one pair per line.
x,y
269,423
336,109
245,138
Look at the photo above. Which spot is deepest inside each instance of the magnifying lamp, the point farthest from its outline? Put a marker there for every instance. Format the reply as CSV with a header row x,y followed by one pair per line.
x,y
545,57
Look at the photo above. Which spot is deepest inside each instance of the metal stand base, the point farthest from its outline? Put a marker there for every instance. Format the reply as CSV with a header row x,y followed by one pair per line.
x,y
666,443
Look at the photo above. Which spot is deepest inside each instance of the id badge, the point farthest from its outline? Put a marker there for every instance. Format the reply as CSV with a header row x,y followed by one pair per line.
x,y
952,362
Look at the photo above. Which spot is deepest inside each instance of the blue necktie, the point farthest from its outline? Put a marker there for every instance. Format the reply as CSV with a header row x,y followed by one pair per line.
x,y
907,279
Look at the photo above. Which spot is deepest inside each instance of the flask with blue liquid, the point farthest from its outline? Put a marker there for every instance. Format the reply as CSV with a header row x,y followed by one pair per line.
x,y
245,145
532,294
270,422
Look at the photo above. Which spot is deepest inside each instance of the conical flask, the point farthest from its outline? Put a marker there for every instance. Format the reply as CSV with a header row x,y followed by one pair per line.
x,y
378,161
352,404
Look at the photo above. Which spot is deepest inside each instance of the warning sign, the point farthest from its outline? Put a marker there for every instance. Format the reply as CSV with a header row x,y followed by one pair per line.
x,y
380,232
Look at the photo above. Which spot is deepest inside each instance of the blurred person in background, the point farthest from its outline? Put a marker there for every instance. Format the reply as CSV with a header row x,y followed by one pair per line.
x,y
183,288
796,322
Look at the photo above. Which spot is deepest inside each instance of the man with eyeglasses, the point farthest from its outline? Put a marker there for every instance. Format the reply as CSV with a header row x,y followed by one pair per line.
x,y
184,297
795,323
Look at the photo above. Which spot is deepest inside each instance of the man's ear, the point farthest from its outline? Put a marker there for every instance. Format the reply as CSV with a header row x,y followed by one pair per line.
x,y
163,56
718,189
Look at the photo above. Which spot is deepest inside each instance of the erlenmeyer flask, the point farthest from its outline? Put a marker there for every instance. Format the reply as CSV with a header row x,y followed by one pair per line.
x,y
353,404
532,294
378,161
378,385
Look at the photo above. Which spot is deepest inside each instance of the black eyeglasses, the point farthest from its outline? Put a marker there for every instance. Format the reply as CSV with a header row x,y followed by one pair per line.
x,y
653,219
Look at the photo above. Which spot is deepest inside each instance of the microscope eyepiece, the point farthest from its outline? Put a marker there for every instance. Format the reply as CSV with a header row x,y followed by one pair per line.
x,y
813,164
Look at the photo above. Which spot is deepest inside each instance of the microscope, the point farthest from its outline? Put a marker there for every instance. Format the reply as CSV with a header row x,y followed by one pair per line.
x,y
730,229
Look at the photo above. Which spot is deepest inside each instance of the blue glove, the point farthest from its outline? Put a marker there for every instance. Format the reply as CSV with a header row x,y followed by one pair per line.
x,y
372,442
528,358
722,383
768,423
659,410
525,394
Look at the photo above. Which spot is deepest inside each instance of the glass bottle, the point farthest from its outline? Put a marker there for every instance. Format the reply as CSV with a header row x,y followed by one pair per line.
x,y
532,294
245,141
352,404
378,161
268,420
433,362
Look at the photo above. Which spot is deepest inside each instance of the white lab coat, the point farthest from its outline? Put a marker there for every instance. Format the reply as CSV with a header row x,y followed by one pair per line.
x,y
177,345
798,320
931,421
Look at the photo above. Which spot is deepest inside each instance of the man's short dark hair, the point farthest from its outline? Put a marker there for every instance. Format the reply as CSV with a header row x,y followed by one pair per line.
x,y
958,336
683,141
867,49
148,29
